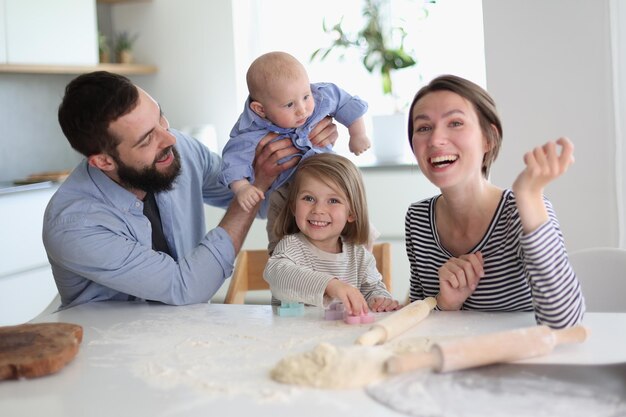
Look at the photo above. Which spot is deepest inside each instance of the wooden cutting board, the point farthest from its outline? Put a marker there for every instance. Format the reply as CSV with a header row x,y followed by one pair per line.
x,y
34,350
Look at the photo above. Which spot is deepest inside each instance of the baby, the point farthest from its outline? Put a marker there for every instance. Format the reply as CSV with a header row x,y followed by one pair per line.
x,y
282,100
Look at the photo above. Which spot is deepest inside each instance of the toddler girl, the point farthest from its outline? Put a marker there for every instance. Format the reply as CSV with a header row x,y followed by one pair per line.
x,y
324,229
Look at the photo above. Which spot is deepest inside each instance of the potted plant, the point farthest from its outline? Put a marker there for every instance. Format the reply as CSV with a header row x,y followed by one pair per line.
x,y
382,50
374,41
104,51
124,46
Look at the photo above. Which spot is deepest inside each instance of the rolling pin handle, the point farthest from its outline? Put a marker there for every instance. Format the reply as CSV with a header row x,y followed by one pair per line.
x,y
574,334
431,360
375,336
431,302
397,322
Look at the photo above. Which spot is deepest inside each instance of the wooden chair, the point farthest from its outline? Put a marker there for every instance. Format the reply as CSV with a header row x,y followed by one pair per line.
x,y
250,264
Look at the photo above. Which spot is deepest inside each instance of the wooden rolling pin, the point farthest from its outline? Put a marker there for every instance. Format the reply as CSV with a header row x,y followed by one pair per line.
x,y
487,349
397,322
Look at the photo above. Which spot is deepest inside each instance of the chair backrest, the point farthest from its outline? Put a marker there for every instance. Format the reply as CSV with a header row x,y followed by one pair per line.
x,y
250,264
602,275
25,295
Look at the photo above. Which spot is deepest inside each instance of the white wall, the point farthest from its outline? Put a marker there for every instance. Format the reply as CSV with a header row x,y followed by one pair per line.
x,y
191,42
30,137
618,14
549,68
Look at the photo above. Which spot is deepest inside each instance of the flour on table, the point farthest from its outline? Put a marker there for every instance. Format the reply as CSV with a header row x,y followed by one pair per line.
x,y
215,357
332,367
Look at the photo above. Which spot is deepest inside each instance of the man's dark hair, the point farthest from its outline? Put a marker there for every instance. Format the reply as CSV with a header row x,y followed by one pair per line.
x,y
91,102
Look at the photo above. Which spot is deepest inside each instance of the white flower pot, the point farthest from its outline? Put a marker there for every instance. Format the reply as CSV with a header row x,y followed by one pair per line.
x,y
391,143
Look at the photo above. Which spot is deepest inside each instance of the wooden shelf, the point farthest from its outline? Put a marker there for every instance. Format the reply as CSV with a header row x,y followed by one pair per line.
x,y
125,69
122,1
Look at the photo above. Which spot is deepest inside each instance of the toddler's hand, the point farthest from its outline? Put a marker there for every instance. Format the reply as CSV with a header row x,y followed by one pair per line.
x,y
351,297
383,304
248,196
359,144
458,278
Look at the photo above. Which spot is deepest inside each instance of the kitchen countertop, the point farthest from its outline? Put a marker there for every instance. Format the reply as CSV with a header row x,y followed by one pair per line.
x,y
389,166
213,359
11,187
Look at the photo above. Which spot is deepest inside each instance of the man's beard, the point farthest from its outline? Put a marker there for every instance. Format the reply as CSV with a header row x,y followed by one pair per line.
x,y
149,179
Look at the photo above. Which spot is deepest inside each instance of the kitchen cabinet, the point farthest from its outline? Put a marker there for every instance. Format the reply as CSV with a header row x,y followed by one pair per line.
x,y
60,37
26,283
45,32
3,36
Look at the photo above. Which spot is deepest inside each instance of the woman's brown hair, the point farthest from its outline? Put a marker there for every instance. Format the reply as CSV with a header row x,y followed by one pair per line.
x,y
483,104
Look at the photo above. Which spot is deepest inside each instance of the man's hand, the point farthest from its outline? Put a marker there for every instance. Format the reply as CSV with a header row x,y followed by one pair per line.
x,y
268,153
324,133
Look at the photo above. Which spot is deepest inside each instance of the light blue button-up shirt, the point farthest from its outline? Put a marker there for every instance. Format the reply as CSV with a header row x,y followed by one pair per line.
x,y
240,150
99,242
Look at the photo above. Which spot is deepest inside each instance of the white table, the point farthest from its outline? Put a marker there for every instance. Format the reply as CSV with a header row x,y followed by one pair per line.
x,y
141,359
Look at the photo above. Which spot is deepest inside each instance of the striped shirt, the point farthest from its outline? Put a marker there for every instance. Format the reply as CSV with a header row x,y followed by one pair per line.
x,y
299,271
522,272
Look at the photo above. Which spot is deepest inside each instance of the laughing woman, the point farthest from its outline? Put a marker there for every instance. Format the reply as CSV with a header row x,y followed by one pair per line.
x,y
476,246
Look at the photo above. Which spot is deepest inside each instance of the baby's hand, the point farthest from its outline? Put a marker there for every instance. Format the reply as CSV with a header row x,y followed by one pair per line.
x,y
359,144
248,196
383,304
351,297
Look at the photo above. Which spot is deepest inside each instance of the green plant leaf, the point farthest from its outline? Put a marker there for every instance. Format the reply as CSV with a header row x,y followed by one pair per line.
x,y
386,82
372,40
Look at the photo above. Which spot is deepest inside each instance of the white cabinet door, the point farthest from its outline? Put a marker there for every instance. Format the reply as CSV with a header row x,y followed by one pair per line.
x,y
61,32
26,283
24,296
21,221
3,35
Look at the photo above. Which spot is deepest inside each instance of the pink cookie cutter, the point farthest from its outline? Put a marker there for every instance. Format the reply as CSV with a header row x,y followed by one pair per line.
x,y
362,318
336,311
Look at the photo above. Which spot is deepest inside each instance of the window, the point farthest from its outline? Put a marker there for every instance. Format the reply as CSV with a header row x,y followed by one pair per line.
x,y
449,40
